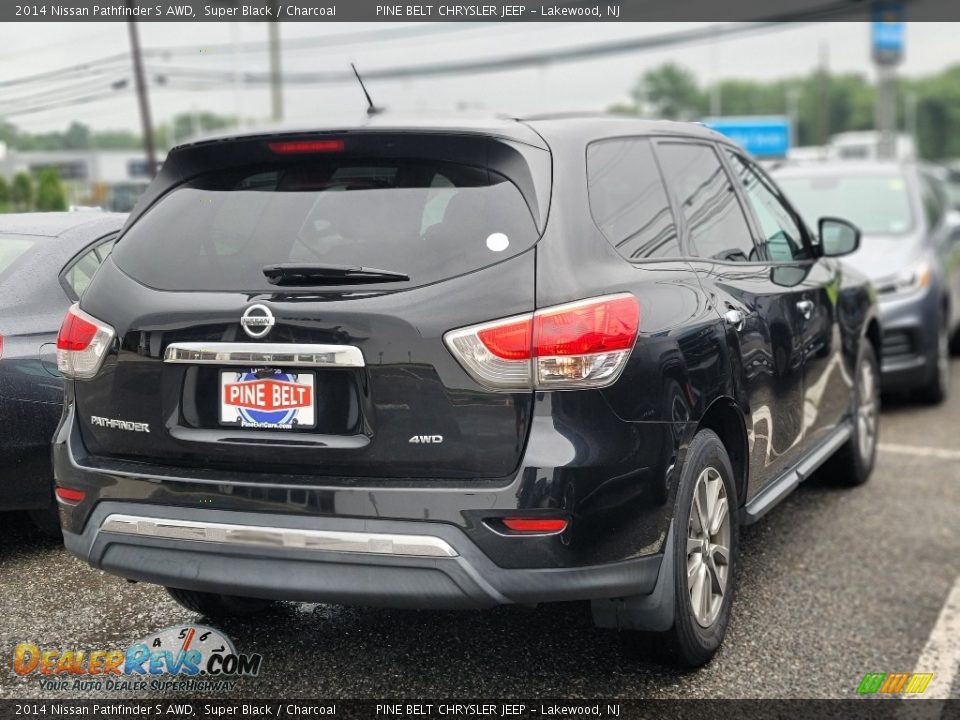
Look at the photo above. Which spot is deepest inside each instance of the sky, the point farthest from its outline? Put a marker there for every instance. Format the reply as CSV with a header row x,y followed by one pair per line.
x,y
29,48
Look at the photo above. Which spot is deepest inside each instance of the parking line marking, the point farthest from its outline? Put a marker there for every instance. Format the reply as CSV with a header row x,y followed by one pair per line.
x,y
920,451
941,654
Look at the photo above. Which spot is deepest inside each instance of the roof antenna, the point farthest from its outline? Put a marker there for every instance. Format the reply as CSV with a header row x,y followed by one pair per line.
x,y
371,108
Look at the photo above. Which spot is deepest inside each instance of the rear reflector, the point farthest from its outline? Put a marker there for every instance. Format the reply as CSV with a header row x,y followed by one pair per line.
x,y
82,343
69,496
578,345
535,525
294,147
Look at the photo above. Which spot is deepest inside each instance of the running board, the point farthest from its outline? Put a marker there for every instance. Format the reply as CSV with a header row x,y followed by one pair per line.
x,y
770,496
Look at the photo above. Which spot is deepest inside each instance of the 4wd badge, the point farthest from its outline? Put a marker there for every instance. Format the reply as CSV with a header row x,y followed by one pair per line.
x,y
430,439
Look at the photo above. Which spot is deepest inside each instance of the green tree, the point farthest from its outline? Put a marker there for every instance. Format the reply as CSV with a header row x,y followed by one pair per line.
x,y
116,140
4,194
77,137
670,91
21,193
50,193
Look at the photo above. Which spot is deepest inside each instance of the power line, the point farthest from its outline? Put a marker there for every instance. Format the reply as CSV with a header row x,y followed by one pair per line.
x,y
503,63
291,45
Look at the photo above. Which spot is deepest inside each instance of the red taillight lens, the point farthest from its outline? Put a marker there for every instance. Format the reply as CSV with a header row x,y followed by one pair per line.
x,y
75,332
82,343
577,345
69,496
581,329
535,525
294,147
511,341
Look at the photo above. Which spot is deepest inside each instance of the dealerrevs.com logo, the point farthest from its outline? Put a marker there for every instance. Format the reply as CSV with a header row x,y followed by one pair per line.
x,y
181,657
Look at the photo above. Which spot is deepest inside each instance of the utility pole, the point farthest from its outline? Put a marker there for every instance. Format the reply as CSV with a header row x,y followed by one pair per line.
x,y
887,45
276,70
793,112
885,112
143,100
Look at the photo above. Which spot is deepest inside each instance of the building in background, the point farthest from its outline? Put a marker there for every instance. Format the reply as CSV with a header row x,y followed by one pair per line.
x,y
110,179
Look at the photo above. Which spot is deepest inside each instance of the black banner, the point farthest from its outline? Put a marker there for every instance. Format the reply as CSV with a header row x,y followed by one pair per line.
x,y
203,709
460,10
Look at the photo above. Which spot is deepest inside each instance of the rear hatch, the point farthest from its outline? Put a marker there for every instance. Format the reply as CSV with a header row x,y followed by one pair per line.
x,y
350,256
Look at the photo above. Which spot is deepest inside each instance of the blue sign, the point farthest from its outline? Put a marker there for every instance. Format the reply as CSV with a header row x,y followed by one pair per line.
x,y
888,33
763,136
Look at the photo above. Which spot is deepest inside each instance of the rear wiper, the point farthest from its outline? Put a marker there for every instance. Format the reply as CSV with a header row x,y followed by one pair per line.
x,y
323,274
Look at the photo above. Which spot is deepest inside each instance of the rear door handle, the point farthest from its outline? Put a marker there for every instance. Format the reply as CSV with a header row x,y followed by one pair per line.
x,y
734,318
806,308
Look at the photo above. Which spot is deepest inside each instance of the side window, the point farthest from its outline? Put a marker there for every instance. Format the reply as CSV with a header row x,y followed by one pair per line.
x,y
103,249
782,234
715,221
628,201
933,202
79,274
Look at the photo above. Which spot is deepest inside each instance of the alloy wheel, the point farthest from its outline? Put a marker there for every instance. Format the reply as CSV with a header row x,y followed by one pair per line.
x,y
708,547
867,411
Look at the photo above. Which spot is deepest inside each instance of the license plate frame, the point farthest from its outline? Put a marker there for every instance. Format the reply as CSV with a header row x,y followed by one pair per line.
x,y
267,399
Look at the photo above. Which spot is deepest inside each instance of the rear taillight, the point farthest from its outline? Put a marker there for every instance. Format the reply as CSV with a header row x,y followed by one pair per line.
x,y
584,344
82,344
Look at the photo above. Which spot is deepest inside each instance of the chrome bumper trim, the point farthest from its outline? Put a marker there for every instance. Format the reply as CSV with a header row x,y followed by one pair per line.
x,y
260,354
275,537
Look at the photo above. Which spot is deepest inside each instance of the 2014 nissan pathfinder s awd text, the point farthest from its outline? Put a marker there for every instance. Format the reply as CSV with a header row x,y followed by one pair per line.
x,y
462,365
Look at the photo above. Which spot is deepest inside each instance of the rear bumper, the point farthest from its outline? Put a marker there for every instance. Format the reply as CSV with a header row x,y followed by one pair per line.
x,y
339,560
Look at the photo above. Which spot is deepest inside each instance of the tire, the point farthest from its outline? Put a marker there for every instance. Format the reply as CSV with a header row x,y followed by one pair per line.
x,y
696,634
955,343
853,463
47,521
212,605
938,387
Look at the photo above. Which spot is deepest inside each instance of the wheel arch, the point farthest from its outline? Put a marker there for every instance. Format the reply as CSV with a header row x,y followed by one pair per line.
x,y
874,337
724,417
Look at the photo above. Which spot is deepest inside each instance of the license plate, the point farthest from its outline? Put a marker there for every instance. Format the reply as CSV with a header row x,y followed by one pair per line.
x,y
267,399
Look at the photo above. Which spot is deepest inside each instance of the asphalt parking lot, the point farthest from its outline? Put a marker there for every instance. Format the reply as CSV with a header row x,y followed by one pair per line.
x,y
834,583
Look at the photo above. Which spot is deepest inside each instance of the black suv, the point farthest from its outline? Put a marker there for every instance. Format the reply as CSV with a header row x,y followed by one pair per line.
x,y
461,366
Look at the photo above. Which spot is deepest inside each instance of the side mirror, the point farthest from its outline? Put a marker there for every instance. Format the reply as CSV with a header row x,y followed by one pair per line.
x,y
837,236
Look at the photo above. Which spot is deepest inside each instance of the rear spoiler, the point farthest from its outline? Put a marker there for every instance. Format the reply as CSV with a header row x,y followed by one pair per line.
x,y
528,167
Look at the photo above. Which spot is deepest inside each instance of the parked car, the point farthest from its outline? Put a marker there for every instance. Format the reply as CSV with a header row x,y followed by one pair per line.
x,y
911,252
46,262
461,365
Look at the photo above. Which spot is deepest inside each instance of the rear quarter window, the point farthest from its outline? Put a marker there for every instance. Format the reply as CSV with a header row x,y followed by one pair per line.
x,y
628,200
428,220
12,247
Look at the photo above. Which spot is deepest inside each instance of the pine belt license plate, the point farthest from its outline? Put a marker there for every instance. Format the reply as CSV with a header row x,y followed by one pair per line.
x,y
268,399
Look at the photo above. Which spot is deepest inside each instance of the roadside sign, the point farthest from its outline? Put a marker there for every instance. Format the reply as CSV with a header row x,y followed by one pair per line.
x,y
763,136
887,33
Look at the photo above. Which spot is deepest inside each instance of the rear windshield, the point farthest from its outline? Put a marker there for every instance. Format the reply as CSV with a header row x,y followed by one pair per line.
x,y
12,247
427,220
877,204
